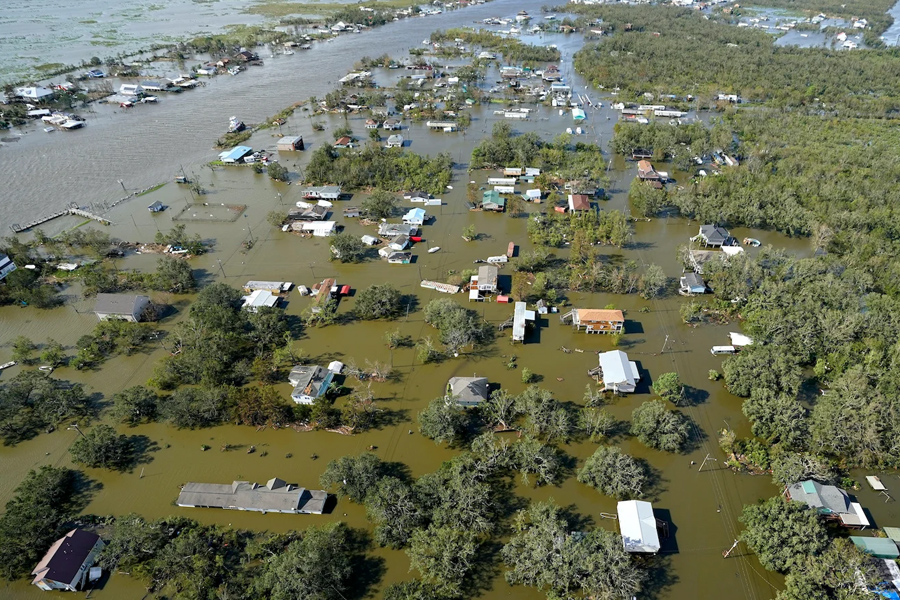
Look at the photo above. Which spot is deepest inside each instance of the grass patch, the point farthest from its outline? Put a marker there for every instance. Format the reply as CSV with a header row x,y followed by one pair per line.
x,y
230,140
50,67
151,190
88,21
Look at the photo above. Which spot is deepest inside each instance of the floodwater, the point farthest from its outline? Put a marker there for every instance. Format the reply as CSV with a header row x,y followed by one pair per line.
x,y
702,507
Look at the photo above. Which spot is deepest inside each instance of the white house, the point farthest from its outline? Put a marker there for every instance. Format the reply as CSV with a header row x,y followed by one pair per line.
x,y
310,382
638,526
259,298
487,278
33,92
415,216
65,565
619,373
395,141
131,89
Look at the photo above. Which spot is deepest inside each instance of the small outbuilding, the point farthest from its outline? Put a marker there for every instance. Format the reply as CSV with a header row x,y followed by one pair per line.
x,y
290,143
156,207
877,547
638,526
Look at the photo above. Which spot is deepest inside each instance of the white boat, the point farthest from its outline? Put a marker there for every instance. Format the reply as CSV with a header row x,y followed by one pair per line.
x,y
235,125
433,250
288,52
569,130
11,363
578,130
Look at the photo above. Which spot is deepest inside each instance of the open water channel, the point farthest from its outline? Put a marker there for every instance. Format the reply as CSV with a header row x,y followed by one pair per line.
x,y
44,172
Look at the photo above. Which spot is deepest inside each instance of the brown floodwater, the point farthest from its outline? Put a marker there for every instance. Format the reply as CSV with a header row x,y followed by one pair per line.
x,y
702,507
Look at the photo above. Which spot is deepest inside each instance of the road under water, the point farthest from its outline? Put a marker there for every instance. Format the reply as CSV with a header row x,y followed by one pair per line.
x,y
702,507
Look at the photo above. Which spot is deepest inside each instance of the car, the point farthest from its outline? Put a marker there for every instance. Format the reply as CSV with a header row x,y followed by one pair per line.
x,y
95,74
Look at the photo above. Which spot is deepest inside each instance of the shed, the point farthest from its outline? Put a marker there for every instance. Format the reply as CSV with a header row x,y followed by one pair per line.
x,y
156,207
468,391
369,240
290,143
619,373
638,526
877,547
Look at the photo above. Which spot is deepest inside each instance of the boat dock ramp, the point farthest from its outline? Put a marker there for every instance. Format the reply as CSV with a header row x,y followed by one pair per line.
x,y
440,287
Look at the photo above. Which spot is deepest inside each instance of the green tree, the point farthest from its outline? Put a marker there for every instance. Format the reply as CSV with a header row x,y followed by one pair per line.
x,y
597,423
532,457
380,204
668,386
652,282
444,556
397,511
34,518
777,417
53,354
32,402
614,473
318,566
762,366
586,564
23,349
790,467
135,405
354,476
379,301
659,428
442,421
101,447
646,200
469,233
193,407
842,571
782,533
348,248
277,171
173,275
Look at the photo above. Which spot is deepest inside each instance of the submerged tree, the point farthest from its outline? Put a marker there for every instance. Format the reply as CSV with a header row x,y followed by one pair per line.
x,y
613,473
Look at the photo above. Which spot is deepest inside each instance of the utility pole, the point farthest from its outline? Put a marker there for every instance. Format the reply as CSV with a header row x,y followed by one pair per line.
x,y
220,267
730,550
75,427
664,344
704,462
122,183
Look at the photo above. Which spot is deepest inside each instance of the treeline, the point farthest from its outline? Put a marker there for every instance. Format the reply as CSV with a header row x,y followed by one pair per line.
x,y
387,169
680,143
678,51
874,11
513,51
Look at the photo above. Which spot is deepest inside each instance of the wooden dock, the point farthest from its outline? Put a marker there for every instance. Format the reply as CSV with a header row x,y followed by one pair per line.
x,y
72,210
440,287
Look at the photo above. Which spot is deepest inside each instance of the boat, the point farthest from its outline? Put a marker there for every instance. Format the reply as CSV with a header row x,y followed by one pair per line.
x,y
234,125
433,250
752,242
45,369
288,51
11,363
578,130
49,129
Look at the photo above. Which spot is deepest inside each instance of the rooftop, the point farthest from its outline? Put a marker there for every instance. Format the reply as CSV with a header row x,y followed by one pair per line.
x,y
638,526
118,304
468,391
276,496
599,314
65,557
825,498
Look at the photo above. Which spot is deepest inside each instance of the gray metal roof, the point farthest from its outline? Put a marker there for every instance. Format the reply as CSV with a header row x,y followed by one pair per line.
x,y
118,304
487,275
468,391
693,280
276,495
825,498
310,379
713,234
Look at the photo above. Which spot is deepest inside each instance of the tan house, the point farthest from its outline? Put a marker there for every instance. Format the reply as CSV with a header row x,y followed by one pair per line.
x,y
66,564
596,320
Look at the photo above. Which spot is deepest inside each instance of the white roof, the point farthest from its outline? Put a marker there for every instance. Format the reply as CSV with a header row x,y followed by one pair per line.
x,y
732,250
335,366
259,298
617,369
638,526
739,339
875,482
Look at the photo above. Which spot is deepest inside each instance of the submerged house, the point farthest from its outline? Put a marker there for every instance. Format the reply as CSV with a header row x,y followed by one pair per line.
x,y
467,391
310,382
492,200
415,216
691,283
638,526
276,496
521,318
620,375
579,203
290,143
65,565
125,307
830,501
7,266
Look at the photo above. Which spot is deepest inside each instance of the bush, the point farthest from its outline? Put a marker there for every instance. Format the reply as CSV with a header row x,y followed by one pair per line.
x,y
659,428
613,473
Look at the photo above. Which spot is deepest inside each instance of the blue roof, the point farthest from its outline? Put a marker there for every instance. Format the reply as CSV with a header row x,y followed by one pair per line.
x,y
416,213
237,153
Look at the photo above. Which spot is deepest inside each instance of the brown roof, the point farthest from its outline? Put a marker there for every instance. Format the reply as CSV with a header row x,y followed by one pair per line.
x,y
580,202
600,314
644,165
342,141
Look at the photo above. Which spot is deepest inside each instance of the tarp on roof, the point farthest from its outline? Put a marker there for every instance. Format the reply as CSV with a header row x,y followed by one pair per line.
x,y
877,547
638,526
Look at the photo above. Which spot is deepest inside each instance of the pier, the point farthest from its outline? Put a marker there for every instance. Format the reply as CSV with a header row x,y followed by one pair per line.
x,y
440,287
72,210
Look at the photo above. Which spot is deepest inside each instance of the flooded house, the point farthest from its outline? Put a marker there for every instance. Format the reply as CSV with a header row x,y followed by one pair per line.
x,y
712,236
399,243
522,317
315,212
399,258
830,501
596,320
124,307
258,299
290,143
618,374
315,228
691,283
351,212
415,217
65,565
235,155
467,391
487,279
417,196
493,201
310,382
323,192
344,141
391,124
390,230
579,203
638,526
646,172
395,141
276,496
273,287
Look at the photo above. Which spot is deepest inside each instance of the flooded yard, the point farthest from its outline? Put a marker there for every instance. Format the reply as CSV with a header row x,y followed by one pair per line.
x,y
701,506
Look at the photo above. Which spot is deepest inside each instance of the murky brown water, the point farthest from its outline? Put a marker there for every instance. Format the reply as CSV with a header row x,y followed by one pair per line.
x,y
703,506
